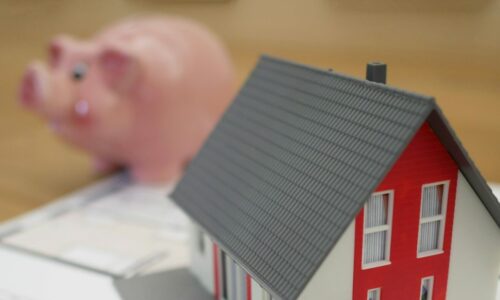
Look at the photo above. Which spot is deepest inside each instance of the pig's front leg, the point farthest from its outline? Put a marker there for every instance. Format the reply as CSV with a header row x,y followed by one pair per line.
x,y
157,173
103,165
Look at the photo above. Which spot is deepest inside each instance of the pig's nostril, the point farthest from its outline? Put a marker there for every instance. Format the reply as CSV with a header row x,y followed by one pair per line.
x,y
82,108
82,111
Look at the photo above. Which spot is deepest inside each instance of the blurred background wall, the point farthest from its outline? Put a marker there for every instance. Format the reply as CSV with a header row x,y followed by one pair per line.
x,y
445,48
460,28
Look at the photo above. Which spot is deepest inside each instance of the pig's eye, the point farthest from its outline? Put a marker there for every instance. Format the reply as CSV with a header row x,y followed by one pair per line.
x,y
79,71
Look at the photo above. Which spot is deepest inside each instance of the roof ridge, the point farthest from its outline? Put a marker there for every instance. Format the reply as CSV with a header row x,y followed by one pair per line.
x,y
386,88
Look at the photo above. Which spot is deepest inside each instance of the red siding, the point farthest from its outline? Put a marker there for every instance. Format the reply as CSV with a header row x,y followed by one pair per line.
x,y
216,272
424,161
249,287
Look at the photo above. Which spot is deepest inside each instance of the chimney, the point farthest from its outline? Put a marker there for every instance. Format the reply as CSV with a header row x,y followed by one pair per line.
x,y
376,72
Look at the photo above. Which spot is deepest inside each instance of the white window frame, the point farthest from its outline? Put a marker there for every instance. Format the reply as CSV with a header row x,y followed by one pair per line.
x,y
378,290
387,228
441,218
232,280
431,289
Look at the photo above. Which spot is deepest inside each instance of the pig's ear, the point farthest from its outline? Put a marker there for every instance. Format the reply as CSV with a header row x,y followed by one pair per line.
x,y
58,48
119,67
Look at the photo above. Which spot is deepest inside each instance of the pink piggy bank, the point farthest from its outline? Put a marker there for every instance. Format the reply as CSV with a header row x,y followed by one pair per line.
x,y
144,93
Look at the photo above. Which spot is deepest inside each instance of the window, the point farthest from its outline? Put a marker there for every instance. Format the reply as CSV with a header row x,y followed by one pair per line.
x,y
231,279
377,229
374,294
432,218
426,288
223,267
241,283
234,281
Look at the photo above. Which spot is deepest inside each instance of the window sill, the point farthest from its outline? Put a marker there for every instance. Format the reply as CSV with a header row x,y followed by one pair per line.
x,y
429,253
375,265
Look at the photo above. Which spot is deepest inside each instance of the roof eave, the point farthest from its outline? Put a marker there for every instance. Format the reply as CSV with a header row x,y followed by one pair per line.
x,y
452,143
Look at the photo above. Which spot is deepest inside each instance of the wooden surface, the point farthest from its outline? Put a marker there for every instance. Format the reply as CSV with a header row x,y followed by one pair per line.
x,y
453,57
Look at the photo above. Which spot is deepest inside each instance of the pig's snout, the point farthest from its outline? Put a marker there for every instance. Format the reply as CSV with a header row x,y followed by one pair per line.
x,y
31,92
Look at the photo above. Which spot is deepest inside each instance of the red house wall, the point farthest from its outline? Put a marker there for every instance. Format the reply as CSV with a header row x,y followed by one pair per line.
x,y
216,272
424,161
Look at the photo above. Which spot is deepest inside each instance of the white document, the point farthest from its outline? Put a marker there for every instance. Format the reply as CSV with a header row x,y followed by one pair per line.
x,y
75,247
27,277
120,228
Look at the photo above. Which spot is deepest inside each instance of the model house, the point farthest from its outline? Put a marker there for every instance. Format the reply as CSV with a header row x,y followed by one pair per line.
x,y
316,185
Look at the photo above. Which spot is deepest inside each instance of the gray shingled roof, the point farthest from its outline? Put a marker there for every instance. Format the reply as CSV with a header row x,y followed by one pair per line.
x,y
292,162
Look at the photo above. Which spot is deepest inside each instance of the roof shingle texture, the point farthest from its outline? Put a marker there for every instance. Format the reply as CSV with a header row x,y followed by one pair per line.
x,y
291,163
